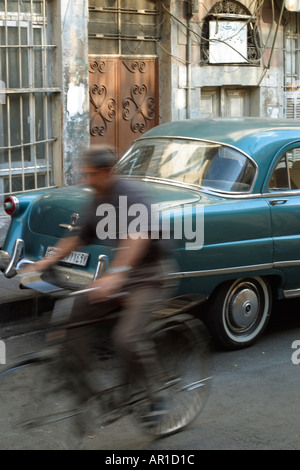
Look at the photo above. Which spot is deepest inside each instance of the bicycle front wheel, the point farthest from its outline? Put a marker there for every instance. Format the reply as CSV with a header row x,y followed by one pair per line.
x,y
35,402
184,351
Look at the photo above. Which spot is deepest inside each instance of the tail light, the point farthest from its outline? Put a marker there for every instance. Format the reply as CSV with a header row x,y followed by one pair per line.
x,y
11,204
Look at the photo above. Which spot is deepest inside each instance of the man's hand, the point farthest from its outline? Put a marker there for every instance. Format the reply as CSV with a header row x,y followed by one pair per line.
x,y
130,251
38,266
108,285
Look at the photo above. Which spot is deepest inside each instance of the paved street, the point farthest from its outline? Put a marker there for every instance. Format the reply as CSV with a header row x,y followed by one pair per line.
x,y
254,403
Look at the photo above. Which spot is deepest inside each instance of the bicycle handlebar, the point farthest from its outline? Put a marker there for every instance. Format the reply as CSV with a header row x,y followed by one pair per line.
x,y
91,289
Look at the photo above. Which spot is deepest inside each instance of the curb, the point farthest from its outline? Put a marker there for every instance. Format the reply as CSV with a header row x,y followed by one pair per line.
x,y
20,304
24,309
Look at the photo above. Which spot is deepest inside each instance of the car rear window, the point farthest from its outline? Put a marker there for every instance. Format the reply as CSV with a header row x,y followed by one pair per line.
x,y
210,165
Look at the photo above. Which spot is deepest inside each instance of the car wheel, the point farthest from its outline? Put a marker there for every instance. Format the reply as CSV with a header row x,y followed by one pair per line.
x,y
239,312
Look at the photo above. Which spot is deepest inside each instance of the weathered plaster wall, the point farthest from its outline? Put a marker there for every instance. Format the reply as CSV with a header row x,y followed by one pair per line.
x,y
75,107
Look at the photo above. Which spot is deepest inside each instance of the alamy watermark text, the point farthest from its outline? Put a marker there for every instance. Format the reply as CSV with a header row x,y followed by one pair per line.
x,y
185,222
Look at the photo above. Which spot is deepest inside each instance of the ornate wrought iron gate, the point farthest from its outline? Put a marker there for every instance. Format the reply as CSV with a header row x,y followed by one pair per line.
x,y
123,100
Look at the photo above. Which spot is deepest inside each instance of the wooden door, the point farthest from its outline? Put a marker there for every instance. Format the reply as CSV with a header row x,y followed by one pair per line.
x,y
123,100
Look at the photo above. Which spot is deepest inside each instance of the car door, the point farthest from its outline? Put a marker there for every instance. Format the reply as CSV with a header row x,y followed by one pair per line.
x,y
284,201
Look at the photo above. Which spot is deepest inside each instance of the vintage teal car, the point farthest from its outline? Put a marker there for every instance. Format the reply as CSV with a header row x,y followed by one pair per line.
x,y
229,191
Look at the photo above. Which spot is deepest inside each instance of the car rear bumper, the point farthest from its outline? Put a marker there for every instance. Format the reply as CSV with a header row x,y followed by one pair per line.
x,y
11,264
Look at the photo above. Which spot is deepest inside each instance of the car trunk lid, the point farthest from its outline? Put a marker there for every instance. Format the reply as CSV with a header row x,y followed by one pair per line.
x,y
53,212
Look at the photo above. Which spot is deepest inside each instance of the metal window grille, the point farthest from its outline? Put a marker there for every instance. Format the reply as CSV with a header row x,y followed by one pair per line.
x,y
123,27
231,10
292,66
291,50
26,92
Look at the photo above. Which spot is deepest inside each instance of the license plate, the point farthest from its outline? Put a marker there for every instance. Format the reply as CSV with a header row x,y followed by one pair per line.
x,y
76,257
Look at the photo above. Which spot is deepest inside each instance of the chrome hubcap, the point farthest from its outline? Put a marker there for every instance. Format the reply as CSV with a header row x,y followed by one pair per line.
x,y
243,307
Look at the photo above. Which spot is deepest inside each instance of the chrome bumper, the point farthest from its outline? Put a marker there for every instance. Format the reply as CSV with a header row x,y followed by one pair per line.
x,y
10,264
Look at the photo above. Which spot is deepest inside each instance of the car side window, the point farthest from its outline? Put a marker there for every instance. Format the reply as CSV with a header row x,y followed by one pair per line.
x,y
279,178
286,175
293,158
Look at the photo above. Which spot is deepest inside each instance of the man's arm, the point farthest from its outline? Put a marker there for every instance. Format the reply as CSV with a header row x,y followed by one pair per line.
x,y
130,251
64,247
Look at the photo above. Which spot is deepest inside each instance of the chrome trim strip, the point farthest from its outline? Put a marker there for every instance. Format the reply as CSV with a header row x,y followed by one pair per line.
x,y
236,269
240,269
291,293
67,227
155,179
282,193
283,264
195,187
215,272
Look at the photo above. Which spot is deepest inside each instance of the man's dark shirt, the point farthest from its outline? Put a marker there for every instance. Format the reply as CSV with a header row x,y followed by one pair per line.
x,y
109,217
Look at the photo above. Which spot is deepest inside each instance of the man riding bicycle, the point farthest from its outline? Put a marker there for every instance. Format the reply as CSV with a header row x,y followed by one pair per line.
x,y
140,266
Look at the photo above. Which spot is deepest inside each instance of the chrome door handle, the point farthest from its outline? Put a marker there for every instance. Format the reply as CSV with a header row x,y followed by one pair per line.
x,y
277,202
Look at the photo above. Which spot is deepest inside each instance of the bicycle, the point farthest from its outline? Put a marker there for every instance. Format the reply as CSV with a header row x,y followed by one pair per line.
x,y
49,380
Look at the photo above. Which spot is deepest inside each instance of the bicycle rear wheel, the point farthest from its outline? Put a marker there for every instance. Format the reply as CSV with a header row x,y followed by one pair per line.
x,y
184,350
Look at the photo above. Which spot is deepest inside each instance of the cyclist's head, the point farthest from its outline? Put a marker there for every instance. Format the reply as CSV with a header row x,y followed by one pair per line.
x,y
99,157
96,165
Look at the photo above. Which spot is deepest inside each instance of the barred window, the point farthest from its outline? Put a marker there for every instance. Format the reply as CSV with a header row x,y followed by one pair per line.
x,y
123,27
26,93
292,65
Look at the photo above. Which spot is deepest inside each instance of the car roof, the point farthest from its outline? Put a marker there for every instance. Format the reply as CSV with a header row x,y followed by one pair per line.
x,y
254,136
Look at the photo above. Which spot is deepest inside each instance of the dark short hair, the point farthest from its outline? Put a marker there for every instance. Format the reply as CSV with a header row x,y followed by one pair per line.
x,y
99,157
